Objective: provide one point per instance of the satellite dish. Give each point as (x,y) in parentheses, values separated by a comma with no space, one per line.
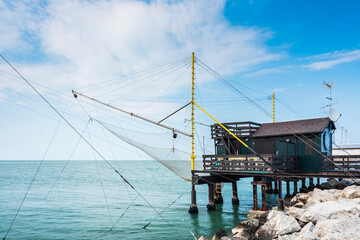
(333,115)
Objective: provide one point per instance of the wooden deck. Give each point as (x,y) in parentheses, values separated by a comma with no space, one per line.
(229,168)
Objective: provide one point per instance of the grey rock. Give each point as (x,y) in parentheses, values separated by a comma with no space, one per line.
(219,234)
(278,224)
(351,192)
(342,229)
(246,229)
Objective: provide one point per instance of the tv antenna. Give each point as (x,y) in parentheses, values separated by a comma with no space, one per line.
(330,86)
(333,115)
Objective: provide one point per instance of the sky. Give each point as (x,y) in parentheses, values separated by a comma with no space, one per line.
(260,47)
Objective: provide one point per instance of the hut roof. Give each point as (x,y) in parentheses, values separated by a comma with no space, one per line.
(316,125)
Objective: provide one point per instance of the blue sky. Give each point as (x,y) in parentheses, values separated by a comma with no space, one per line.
(286,47)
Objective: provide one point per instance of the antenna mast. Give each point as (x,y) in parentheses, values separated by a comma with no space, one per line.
(328,85)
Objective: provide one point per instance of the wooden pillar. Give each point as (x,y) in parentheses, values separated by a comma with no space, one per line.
(235,199)
(255,199)
(311,184)
(271,190)
(193,206)
(287,196)
(295,188)
(211,206)
(280,200)
(303,186)
(318,183)
(263,198)
(276,189)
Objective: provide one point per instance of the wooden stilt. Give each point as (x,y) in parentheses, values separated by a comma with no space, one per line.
(235,199)
(263,198)
(303,186)
(276,189)
(295,188)
(255,199)
(311,184)
(193,206)
(280,200)
(211,206)
(318,183)
(287,196)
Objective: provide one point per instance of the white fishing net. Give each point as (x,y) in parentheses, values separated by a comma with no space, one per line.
(173,153)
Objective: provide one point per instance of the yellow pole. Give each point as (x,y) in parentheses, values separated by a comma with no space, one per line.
(222,125)
(192,113)
(273,100)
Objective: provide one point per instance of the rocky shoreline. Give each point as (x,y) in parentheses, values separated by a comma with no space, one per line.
(330,211)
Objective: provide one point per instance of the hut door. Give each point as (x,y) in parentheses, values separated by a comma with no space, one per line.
(284,147)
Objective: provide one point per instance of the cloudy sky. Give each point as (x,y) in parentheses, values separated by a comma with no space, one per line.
(286,47)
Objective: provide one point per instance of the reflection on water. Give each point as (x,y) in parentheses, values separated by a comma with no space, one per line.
(76,207)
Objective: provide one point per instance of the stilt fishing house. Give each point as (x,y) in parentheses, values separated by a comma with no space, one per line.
(294,146)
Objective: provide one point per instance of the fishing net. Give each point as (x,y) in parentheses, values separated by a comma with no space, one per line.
(173,153)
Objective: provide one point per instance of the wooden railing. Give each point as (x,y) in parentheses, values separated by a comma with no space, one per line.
(250,163)
(285,163)
(341,163)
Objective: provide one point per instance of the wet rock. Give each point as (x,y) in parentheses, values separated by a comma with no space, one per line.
(259,215)
(330,210)
(342,229)
(246,229)
(295,212)
(323,196)
(351,192)
(219,234)
(278,224)
(298,205)
(203,238)
(232,238)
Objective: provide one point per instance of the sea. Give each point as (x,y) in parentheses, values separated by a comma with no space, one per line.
(89,200)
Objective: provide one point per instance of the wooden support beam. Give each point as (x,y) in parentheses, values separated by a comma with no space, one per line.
(193,206)
(255,199)
(211,206)
(235,198)
(280,200)
(276,189)
(263,198)
(288,195)
(303,188)
(295,188)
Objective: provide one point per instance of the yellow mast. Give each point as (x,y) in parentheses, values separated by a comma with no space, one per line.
(192,113)
(273,100)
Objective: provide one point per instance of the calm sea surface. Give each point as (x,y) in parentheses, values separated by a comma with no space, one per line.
(77,209)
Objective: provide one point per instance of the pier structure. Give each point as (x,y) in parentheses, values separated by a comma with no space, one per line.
(274,155)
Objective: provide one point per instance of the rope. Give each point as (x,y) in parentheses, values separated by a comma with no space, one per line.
(67,161)
(70,125)
(36,173)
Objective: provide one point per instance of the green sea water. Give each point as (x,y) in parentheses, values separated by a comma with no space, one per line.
(87,200)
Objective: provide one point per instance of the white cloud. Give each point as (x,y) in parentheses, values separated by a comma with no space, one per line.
(333,59)
(265,71)
(89,41)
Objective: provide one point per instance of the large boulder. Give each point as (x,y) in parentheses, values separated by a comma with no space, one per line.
(295,212)
(351,192)
(318,196)
(342,208)
(342,229)
(246,229)
(278,224)
(219,234)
